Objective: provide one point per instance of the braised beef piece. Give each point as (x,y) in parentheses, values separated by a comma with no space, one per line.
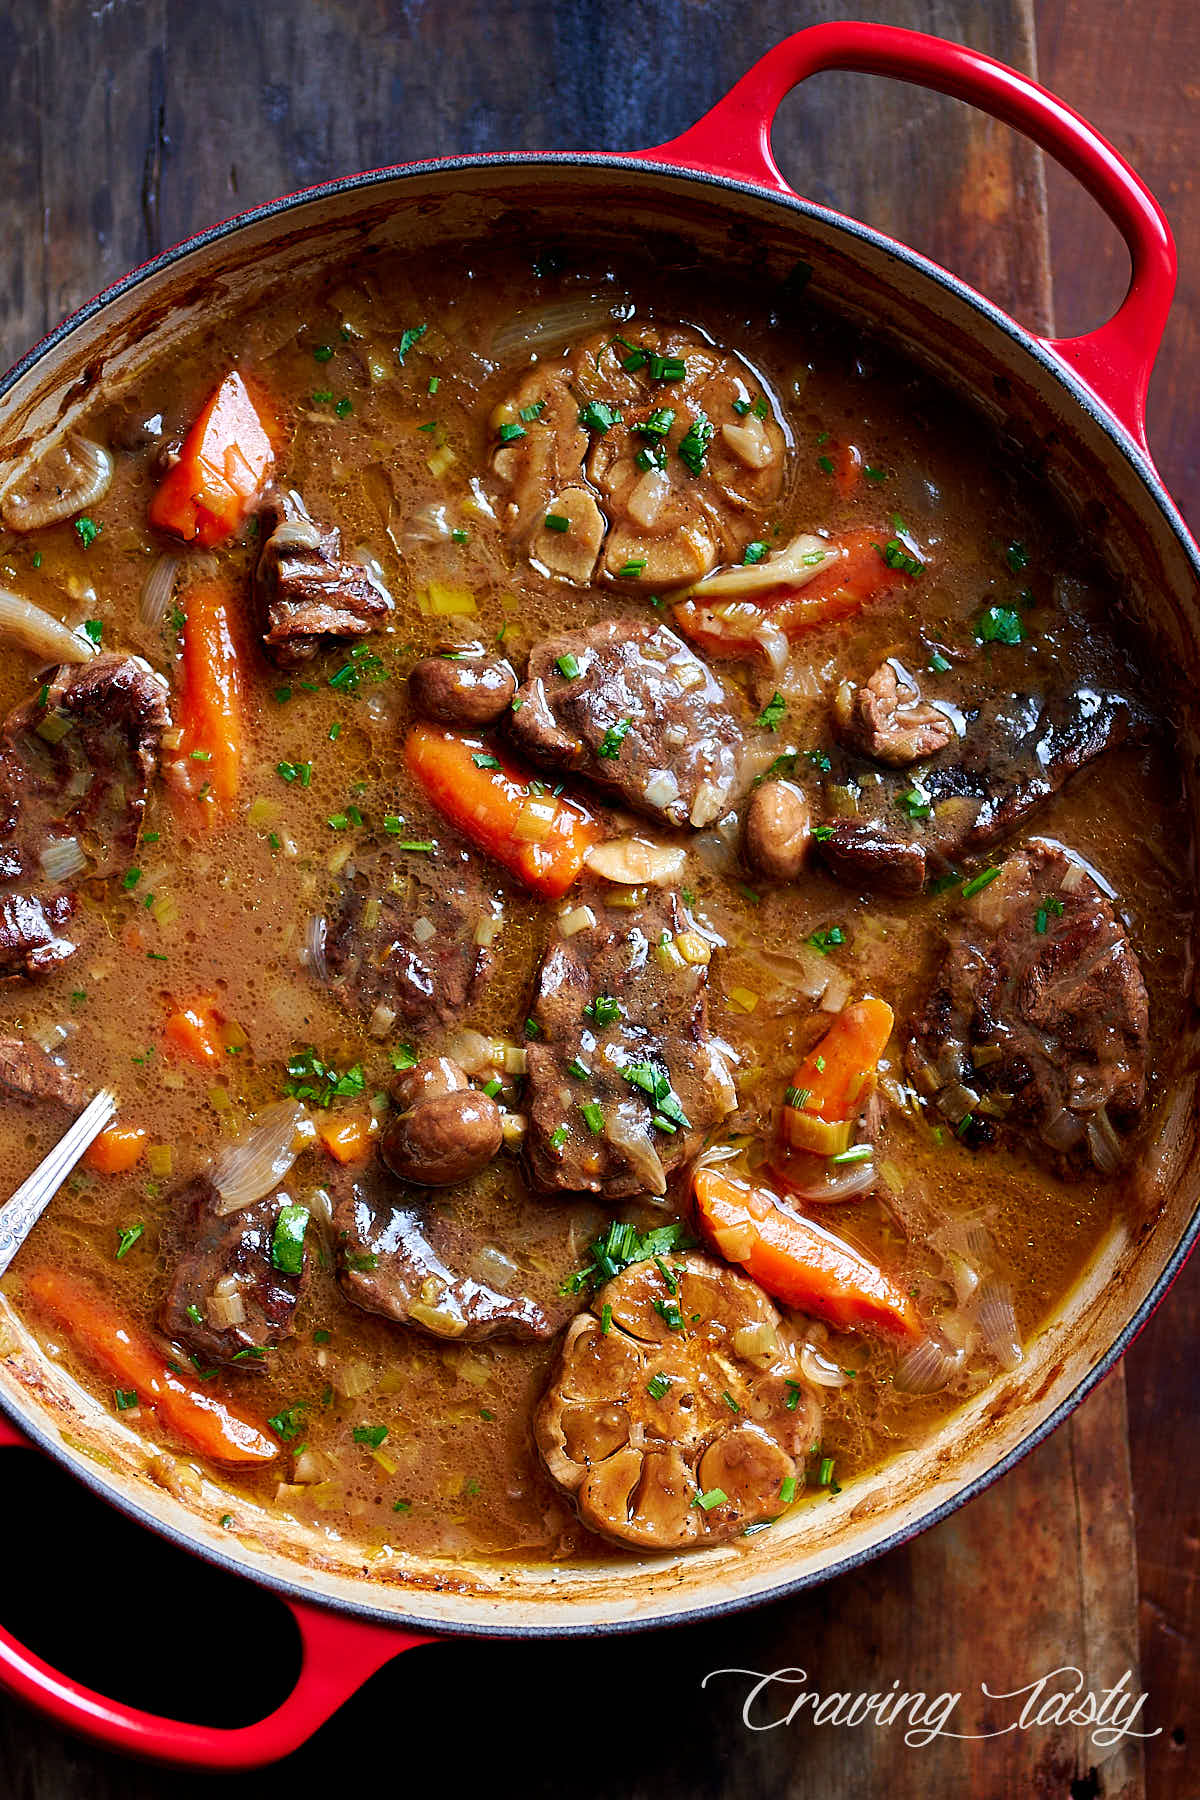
(1037,1017)
(75,762)
(1015,752)
(32,1073)
(887,720)
(308,598)
(405,1259)
(402,936)
(223,1257)
(623,1080)
(630,706)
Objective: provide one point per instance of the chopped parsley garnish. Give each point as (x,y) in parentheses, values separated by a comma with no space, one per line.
(125,1398)
(754,552)
(1017,558)
(714,1497)
(482,760)
(532,1028)
(593,1116)
(650,459)
(819,760)
(568,666)
(94,629)
(322,352)
(597,416)
(604,1010)
(693,446)
(916,802)
(667,368)
(460,537)
(823,833)
(656,1085)
(658,424)
(508,434)
(629,571)
(287,1241)
(309,1078)
(610,744)
(787,1489)
(403,1056)
(557,522)
(999,625)
(579,1070)
(130,879)
(620,1246)
(344,407)
(825,464)
(977,883)
(825,941)
(287,1423)
(855,1154)
(408,338)
(670,1314)
(939,663)
(1045,910)
(875,475)
(87,531)
(127,1237)
(371,1435)
(301,772)
(528,414)
(558,1137)
(796,1096)
(896,556)
(657,1386)
(793,1395)
(772,713)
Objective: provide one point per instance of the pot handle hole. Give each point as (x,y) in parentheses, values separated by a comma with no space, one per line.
(338,1654)
(734,139)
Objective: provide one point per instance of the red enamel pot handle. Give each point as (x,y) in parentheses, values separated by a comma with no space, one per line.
(338,1656)
(735,139)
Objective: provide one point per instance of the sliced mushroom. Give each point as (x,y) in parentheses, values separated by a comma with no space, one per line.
(72,474)
(803,558)
(637,862)
(659,1423)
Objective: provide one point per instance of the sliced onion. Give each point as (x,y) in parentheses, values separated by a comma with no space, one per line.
(819,1370)
(470,1050)
(827,1181)
(803,558)
(66,477)
(927,1367)
(634,861)
(423,929)
(662,789)
(774,646)
(964,1277)
(538,328)
(254,1165)
(493,1268)
(956,1101)
(30,628)
(226,1310)
(629,1137)
(61,859)
(1064,1130)
(313,955)
(998,1323)
(1104,1143)
(838,990)
(758,1343)
(157,589)
(381,1020)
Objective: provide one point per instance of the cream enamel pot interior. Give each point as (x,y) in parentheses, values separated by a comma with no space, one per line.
(1080,403)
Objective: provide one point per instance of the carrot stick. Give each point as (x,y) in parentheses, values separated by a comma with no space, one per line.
(834,1081)
(208,763)
(800,1263)
(221,468)
(131,1358)
(847,469)
(853,580)
(495,809)
(117,1149)
(194,1031)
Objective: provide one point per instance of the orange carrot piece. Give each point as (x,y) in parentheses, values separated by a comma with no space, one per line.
(346,1136)
(802,1264)
(839,1071)
(194,1031)
(857,577)
(221,469)
(490,805)
(117,1149)
(847,469)
(201,1418)
(208,762)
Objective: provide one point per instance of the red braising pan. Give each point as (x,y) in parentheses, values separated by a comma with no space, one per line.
(1081,402)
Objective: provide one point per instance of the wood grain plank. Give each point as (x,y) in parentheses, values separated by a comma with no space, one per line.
(149,119)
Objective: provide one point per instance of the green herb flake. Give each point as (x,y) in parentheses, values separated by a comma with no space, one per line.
(322,352)
(657,1386)
(87,531)
(825,941)
(713,1497)
(977,883)
(568,666)
(773,713)
(557,522)
(754,553)
(408,338)
(370,1435)
(999,625)
(614,737)
(897,556)
(693,446)
(287,1241)
(127,1237)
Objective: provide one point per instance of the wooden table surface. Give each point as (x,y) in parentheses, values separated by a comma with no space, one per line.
(132,122)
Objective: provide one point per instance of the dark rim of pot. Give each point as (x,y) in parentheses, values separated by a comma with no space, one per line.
(1121,441)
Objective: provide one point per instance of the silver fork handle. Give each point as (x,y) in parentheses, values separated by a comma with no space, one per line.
(19,1215)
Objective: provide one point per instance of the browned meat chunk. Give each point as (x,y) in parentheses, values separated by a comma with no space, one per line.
(660,1405)
(227,1297)
(886,718)
(401,938)
(405,1261)
(641,462)
(869,856)
(623,1079)
(462,688)
(31,1072)
(629,706)
(1037,1016)
(308,598)
(1016,751)
(76,765)
(446,1130)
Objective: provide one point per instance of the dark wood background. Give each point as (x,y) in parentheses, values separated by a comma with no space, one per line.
(129,123)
